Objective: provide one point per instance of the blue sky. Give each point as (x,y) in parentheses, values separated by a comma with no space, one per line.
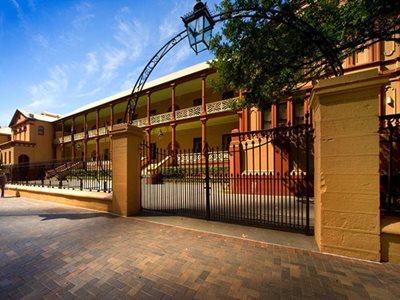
(57,55)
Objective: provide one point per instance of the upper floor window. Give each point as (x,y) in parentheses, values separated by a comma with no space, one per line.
(298,112)
(40,130)
(282,114)
(170,108)
(267,118)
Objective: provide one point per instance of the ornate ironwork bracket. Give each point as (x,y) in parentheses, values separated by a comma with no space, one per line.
(140,82)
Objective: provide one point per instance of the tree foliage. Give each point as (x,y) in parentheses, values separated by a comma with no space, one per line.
(269,48)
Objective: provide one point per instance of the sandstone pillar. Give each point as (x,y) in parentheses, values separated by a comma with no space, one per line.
(126,140)
(346,149)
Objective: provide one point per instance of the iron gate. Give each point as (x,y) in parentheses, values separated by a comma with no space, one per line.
(389,131)
(263,179)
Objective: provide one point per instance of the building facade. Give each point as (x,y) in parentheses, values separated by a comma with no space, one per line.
(178,111)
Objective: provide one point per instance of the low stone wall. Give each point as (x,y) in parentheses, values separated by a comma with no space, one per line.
(90,200)
(390,239)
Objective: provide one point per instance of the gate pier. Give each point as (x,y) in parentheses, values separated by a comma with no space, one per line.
(126,141)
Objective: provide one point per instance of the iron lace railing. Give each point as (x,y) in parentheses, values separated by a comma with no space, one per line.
(63,174)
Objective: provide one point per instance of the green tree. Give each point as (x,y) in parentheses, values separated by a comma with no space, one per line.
(269,48)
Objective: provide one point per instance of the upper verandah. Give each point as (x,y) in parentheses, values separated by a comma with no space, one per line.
(155,84)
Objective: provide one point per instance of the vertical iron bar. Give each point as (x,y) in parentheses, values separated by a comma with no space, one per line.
(307,129)
(207,178)
(390,167)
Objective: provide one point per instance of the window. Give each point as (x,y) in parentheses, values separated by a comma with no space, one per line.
(40,130)
(176,108)
(298,112)
(153,112)
(282,114)
(266,118)
(226,140)
(197,145)
(197,102)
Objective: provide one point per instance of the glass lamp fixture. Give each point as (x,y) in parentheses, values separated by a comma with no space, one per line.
(199,25)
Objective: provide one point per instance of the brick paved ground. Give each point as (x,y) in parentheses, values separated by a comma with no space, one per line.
(54,251)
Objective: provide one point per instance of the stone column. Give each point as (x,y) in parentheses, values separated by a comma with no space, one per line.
(85,138)
(111,126)
(126,141)
(346,149)
(73,151)
(97,135)
(62,140)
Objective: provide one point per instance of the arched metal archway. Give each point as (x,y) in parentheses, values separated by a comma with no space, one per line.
(201,12)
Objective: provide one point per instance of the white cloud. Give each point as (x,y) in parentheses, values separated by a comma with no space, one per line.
(172,25)
(47,94)
(18,8)
(131,78)
(92,65)
(132,38)
(89,93)
(113,59)
(84,15)
(41,41)
(180,53)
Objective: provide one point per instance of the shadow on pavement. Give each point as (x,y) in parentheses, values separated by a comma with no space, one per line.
(75,216)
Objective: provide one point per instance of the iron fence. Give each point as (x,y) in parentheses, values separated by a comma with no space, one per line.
(265,180)
(63,174)
(389,131)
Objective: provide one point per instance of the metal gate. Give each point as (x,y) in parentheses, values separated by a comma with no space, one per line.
(263,179)
(389,132)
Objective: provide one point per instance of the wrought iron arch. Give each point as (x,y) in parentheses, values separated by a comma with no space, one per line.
(324,45)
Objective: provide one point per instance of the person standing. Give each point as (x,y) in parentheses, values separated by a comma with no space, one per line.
(3,181)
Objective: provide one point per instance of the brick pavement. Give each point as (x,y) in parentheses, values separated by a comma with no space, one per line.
(53,251)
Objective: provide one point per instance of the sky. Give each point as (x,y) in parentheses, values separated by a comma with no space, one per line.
(57,55)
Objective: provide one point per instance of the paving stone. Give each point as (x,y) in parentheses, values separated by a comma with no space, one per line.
(53,251)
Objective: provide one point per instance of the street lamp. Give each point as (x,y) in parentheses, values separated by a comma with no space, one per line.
(199,25)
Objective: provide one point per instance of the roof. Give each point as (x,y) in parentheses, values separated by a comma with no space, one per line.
(46,117)
(41,117)
(170,77)
(5,130)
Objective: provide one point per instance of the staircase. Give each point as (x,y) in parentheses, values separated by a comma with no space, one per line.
(62,171)
(154,168)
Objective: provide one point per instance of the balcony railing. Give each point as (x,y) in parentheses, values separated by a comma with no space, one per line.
(188,113)
(140,122)
(182,114)
(219,106)
(184,158)
(159,119)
